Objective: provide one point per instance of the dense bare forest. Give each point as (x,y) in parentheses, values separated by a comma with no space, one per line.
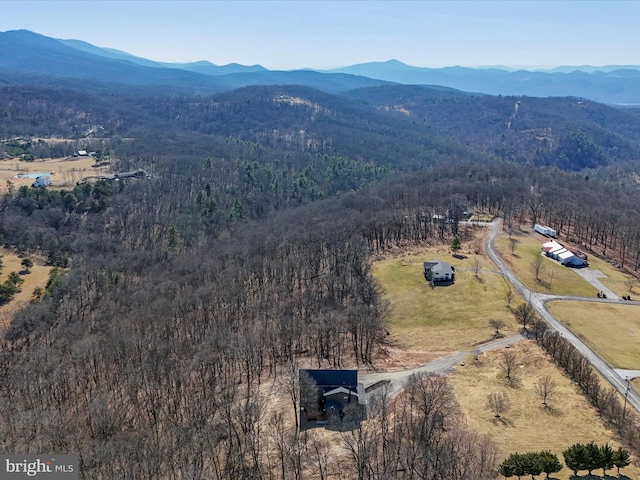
(244,255)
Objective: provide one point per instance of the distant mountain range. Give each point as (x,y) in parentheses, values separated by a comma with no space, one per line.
(204,67)
(612,85)
(24,52)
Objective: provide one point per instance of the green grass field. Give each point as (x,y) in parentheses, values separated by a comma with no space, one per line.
(613,331)
(620,282)
(553,278)
(444,318)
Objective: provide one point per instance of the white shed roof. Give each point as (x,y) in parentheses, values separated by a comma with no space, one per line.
(550,244)
(565,255)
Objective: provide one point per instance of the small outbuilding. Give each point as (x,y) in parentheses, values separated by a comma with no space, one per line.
(556,253)
(566,256)
(570,259)
(552,252)
(42,181)
(549,246)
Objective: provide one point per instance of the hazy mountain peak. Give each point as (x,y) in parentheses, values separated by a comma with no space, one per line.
(24,51)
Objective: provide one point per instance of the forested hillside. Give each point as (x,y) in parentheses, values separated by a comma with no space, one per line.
(248,253)
(566,132)
(402,127)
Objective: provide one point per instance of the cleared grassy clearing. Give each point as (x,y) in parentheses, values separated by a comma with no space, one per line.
(554,278)
(38,276)
(613,331)
(455,317)
(444,318)
(66,171)
(528,426)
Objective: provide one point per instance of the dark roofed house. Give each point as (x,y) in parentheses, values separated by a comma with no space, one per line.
(438,271)
(330,397)
(133,174)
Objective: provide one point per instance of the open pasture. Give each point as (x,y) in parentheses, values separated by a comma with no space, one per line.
(445,318)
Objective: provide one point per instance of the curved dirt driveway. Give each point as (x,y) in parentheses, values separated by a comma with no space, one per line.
(441,366)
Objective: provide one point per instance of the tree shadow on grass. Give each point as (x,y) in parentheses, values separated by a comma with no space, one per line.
(515,382)
(553,411)
(503,421)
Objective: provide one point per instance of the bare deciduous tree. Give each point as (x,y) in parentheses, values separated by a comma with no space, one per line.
(551,275)
(539,327)
(498,403)
(497,325)
(630,282)
(545,388)
(476,267)
(290,382)
(308,394)
(476,354)
(509,365)
(537,267)
(319,449)
(525,314)
(508,295)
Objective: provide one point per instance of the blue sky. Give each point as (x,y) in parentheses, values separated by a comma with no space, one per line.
(326,34)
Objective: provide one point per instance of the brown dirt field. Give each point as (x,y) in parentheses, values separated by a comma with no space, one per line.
(65,171)
(528,426)
(38,276)
(396,358)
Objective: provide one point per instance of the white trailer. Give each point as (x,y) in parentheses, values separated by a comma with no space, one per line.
(544,230)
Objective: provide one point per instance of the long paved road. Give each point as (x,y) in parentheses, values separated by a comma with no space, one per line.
(538,301)
(443,366)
